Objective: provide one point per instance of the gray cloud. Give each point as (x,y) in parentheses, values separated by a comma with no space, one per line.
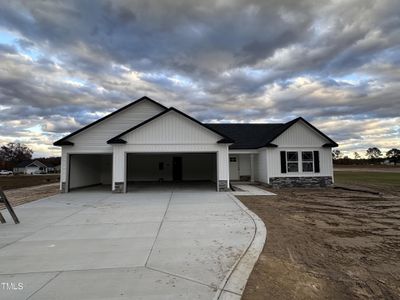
(72,61)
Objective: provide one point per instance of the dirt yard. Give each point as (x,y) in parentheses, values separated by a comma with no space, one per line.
(28,194)
(330,243)
(19,181)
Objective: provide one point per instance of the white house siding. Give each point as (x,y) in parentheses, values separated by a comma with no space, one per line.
(256,168)
(95,138)
(300,135)
(171,133)
(244,165)
(172,128)
(64,164)
(274,162)
(261,171)
(31,170)
(19,170)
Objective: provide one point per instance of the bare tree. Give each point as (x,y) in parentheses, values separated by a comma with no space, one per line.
(357,156)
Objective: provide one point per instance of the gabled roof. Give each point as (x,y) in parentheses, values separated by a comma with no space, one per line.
(118,139)
(64,141)
(254,136)
(247,136)
(23,164)
(287,125)
(27,163)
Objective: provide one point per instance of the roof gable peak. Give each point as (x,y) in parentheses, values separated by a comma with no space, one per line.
(118,139)
(64,141)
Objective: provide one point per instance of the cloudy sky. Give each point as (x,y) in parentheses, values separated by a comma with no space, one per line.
(64,64)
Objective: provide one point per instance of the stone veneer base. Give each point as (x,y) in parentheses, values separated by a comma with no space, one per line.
(313,181)
(63,187)
(223,186)
(119,187)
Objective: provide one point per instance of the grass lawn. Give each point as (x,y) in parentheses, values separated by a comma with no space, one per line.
(377,180)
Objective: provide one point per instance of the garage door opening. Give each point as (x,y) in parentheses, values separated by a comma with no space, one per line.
(87,170)
(178,168)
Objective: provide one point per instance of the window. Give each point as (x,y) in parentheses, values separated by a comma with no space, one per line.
(307,161)
(232,159)
(160,166)
(292,162)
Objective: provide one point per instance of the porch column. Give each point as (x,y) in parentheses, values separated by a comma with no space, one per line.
(252,167)
(119,169)
(64,171)
(223,169)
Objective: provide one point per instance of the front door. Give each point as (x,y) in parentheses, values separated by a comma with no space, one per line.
(177,168)
(233,167)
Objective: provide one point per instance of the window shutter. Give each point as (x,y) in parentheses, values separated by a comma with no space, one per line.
(316,161)
(283,161)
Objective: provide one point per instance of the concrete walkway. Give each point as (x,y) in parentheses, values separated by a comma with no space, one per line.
(169,244)
(250,190)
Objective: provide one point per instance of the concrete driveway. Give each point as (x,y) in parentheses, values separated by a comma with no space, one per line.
(168,244)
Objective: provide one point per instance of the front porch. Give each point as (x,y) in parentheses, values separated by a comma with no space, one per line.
(242,166)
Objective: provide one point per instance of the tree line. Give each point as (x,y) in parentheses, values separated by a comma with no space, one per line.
(374,156)
(12,154)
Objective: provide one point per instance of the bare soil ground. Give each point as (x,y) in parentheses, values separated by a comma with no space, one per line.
(329,243)
(19,181)
(28,194)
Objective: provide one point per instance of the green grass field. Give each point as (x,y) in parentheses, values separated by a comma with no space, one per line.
(384,179)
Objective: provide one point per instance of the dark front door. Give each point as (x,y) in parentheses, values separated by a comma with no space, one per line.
(177,168)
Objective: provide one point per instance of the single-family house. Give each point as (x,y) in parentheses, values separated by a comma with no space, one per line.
(146,141)
(30,167)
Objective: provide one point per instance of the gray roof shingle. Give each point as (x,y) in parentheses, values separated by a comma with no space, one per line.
(248,136)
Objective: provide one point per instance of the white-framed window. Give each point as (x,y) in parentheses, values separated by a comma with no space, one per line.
(292,161)
(307,160)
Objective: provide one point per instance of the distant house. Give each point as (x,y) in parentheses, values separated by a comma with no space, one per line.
(57,169)
(31,167)
(388,162)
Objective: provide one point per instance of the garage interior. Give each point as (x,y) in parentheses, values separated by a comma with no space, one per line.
(87,170)
(177,168)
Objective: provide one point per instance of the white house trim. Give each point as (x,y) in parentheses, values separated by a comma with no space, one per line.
(171,141)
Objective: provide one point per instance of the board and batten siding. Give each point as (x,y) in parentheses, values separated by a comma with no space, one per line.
(172,128)
(95,138)
(244,165)
(274,162)
(170,133)
(299,137)
(262,167)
